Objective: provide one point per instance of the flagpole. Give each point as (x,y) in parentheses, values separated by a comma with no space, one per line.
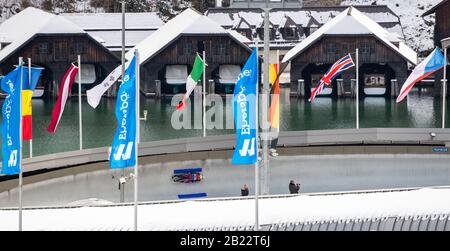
(279,94)
(204,93)
(265,104)
(357,88)
(122,186)
(29,79)
(257,145)
(138,129)
(444,88)
(80,109)
(21,146)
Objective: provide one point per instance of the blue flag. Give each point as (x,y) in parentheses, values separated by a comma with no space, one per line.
(123,146)
(35,76)
(245,113)
(11,115)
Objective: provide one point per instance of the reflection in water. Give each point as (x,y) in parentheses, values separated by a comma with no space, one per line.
(420,111)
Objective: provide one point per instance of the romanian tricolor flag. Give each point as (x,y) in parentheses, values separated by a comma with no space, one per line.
(27,115)
(274,116)
(29,85)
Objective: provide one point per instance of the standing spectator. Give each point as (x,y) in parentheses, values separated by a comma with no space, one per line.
(244,190)
(294,188)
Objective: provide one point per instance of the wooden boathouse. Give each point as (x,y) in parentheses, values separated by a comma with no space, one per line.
(53,42)
(384,58)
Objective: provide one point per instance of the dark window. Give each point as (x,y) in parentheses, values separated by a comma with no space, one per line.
(345,48)
(222,49)
(78,48)
(200,47)
(60,51)
(290,33)
(365,48)
(331,49)
(187,49)
(43,48)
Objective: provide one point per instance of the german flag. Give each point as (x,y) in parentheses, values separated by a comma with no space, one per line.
(274,116)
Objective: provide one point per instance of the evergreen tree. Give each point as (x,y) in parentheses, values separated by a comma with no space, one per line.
(200,5)
(168,9)
(25,4)
(68,6)
(107,5)
(47,5)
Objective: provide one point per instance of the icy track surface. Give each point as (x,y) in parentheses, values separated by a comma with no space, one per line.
(316,174)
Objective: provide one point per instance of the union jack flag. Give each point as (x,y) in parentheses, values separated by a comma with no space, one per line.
(340,66)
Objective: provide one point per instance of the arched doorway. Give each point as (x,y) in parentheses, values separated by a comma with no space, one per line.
(225,77)
(45,86)
(375,79)
(173,78)
(312,75)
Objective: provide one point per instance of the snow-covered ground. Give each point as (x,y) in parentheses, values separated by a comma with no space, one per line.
(418,31)
(235,213)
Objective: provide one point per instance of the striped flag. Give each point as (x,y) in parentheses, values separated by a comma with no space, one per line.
(192,80)
(434,62)
(64,91)
(340,66)
(274,116)
(29,85)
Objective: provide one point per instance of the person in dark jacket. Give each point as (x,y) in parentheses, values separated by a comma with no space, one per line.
(244,190)
(294,188)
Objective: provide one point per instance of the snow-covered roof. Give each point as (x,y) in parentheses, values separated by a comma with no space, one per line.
(189,22)
(113,39)
(360,25)
(238,36)
(236,212)
(106,27)
(226,16)
(30,22)
(224,19)
(113,21)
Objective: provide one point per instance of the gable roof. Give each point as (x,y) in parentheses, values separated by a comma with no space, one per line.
(241,23)
(189,22)
(106,27)
(433,10)
(360,25)
(379,13)
(25,25)
(113,21)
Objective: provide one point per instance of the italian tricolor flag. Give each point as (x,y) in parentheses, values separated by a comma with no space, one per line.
(192,80)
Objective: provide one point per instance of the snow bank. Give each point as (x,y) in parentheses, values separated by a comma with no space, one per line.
(210,214)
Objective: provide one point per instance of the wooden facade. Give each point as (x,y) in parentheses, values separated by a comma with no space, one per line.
(56,52)
(442,26)
(374,58)
(220,50)
(441,31)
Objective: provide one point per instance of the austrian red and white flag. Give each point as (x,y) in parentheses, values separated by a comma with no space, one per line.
(64,91)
